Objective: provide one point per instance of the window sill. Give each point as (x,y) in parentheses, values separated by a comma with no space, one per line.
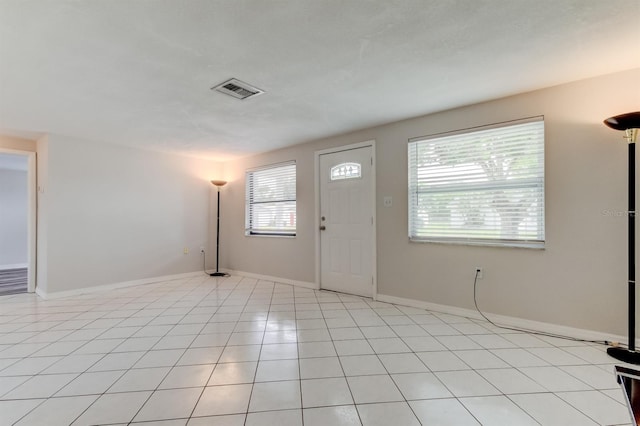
(534,245)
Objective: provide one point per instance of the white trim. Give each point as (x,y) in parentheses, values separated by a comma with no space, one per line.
(31,214)
(14,266)
(296,283)
(113,286)
(374,245)
(508,321)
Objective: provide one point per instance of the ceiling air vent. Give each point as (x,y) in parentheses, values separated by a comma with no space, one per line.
(238,89)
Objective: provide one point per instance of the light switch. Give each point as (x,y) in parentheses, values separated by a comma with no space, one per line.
(388,201)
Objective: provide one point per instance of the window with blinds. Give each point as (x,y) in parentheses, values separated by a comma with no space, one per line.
(482,186)
(271,200)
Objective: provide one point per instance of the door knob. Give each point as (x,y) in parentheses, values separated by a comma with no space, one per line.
(322,228)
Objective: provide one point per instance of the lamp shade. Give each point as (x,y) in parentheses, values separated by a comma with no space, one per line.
(630,120)
(219,183)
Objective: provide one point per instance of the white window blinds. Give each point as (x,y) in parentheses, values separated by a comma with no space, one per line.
(484,186)
(271,200)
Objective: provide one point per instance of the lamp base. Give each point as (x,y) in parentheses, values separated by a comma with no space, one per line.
(624,355)
(219,274)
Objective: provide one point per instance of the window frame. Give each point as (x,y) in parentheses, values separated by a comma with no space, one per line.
(250,174)
(466,235)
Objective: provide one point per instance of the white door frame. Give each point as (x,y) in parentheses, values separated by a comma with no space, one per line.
(31,212)
(316,224)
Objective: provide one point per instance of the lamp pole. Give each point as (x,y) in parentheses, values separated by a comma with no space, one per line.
(629,123)
(217,273)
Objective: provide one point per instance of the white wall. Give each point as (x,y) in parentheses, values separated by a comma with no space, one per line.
(111,214)
(13,217)
(579,280)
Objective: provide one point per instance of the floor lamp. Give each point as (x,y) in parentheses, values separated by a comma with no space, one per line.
(217,273)
(629,123)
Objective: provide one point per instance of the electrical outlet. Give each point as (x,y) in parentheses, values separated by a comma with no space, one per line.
(388,201)
(479,272)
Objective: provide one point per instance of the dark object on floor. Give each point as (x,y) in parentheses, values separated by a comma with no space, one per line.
(629,380)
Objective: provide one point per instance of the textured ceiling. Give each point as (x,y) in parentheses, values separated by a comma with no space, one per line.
(138,72)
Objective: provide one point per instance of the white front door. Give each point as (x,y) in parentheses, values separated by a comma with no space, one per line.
(346,221)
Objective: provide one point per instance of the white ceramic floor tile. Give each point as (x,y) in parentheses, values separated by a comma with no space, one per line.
(554,379)
(11,382)
(280,418)
(12,411)
(556,356)
(353,347)
(113,408)
(361,365)
(497,410)
(316,368)
(442,412)
(218,400)
(42,386)
(57,411)
(597,406)
(275,396)
(29,366)
(420,386)
(277,370)
(510,381)
(233,373)
(392,345)
(424,344)
(279,351)
(226,344)
(466,383)
(403,363)
(325,392)
(378,332)
(316,349)
(169,404)
(345,415)
(457,343)
(229,420)
(194,356)
(442,361)
(90,383)
(160,358)
(390,413)
(367,389)
(187,376)
(73,364)
(519,358)
(548,409)
(480,359)
(284,336)
(592,375)
(240,353)
(117,361)
(140,379)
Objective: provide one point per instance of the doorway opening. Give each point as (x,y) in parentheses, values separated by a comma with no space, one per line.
(17,222)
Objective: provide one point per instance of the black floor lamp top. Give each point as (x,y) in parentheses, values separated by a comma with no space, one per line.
(629,123)
(217,273)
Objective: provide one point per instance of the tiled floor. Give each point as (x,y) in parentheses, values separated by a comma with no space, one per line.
(236,351)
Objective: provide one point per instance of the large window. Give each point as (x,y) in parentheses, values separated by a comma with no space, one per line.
(271,200)
(480,186)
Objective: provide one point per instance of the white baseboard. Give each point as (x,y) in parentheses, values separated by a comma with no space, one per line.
(113,286)
(296,283)
(508,321)
(14,266)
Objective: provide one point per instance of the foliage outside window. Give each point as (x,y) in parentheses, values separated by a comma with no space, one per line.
(271,200)
(481,186)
